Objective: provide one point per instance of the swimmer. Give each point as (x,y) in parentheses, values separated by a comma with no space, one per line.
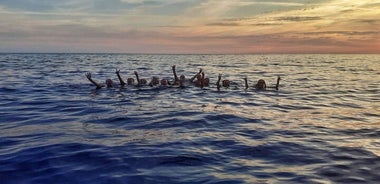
(196,75)
(155,81)
(176,79)
(202,80)
(164,82)
(122,83)
(130,81)
(198,82)
(182,78)
(140,82)
(143,81)
(109,82)
(225,83)
(261,85)
(205,81)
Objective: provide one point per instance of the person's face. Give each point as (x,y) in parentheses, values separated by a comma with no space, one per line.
(164,82)
(182,77)
(206,81)
(143,81)
(130,81)
(155,81)
(199,77)
(261,84)
(109,83)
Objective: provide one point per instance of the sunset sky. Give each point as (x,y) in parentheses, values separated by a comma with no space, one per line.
(190,26)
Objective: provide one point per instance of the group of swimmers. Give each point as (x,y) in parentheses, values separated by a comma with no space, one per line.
(198,80)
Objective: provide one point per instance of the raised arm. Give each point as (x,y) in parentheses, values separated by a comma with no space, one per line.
(203,80)
(277,83)
(218,82)
(119,77)
(175,74)
(246,82)
(192,79)
(98,86)
(137,78)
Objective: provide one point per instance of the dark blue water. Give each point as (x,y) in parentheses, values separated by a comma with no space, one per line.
(322,126)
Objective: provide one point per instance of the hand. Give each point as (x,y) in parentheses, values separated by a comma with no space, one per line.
(117,71)
(88,75)
(200,70)
(135,72)
(173,66)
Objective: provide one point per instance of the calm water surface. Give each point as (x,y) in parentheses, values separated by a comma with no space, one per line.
(322,126)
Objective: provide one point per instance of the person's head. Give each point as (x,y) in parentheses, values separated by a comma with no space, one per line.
(143,81)
(206,81)
(261,84)
(155,81)
(109,83)
(164,82)
(130,81)
(199,77)
(182,78)
(226,83)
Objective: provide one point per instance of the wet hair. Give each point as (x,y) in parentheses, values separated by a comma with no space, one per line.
(130,81)
(199,77)
(182,78)
(261,84)
(226,83)
(206,81)
(109,83)
(155,81)
(143,81)
(164,82)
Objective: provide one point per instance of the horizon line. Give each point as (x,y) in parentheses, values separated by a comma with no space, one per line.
(160,53)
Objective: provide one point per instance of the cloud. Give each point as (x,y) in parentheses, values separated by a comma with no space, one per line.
(190,26)
(223,24)
(101,6)
(31,5)
(298,18)
(349,33)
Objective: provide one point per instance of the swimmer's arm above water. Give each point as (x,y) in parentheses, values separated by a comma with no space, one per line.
(137,78)
(246,82)
(277,83)
(175,74)
(98,86)
(192,79)
(218,82)
(119,77)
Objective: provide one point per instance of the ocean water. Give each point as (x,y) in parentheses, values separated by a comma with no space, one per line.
(321,126)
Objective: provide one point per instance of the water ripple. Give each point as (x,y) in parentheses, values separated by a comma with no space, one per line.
(320,127)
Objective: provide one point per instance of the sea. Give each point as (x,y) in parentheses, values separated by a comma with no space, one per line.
(321,126)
